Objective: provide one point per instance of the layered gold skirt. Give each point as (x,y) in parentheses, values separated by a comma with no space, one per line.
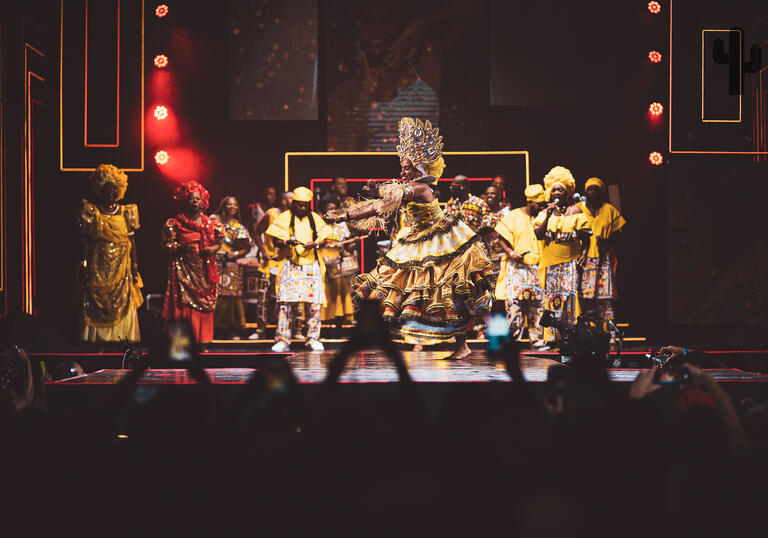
(431,282)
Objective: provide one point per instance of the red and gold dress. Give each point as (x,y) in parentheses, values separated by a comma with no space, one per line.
(193,279)
(435,277)
(110,297)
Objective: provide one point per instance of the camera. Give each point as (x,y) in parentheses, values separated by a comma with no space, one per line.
(584,338)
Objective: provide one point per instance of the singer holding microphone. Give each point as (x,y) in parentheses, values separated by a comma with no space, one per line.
(518,282)
(565,230)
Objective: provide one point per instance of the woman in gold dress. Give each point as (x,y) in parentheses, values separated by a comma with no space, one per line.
(109,271)
(437,274)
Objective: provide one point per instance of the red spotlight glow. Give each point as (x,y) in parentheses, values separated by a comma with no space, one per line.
(656,158)
(162,10)
(186,163)
(656,109)
(161,61)
(162,157)
(654,7)
(161,112)
(654,56)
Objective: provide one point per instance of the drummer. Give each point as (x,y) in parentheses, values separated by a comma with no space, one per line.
(338,259)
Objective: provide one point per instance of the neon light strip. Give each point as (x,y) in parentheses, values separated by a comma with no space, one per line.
(669,142)
(28,238)
(741,68)
(61,100)
(117,87)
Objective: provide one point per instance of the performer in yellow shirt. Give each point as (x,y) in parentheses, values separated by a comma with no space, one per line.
(518,282)
(598,287)
(301,274)
(565,231)
(270,261)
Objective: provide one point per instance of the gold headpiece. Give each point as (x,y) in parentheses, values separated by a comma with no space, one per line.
(422,144)
(107,173)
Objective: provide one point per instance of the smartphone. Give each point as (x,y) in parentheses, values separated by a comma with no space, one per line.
(181,341)
(498,332)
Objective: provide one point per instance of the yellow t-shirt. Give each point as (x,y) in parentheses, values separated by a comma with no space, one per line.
(302,232)
(518,230)
(562,243)
(604,224)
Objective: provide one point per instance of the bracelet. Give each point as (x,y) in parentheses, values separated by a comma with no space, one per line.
(685,351)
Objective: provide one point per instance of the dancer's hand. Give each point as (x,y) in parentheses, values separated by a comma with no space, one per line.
(516,257)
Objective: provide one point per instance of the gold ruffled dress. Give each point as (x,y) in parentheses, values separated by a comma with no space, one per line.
(435,274)
(109,297)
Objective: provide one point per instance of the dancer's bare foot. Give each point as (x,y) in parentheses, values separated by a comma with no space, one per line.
(462,351)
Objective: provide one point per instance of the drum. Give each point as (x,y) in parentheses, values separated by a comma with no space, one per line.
(347,267)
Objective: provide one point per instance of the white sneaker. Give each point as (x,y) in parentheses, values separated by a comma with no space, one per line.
(254,336)
(315,345)
(281,347)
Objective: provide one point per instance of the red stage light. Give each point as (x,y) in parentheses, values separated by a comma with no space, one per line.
(161,112)
(161,157)
(656,158)
(161,60)
(654,7)
(654,56)
(656,109)
(161,10)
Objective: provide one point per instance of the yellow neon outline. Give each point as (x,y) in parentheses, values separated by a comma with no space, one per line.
(61,99)
(741,68)
(362,153)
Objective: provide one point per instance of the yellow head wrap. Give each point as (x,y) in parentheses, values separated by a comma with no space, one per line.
(534,193)
(302,194)
(594,182)
(559,175)
(107,173)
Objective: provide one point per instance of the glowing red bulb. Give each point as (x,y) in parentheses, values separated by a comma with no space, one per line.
(654,56)
(161,61)
(162,10)
(656,109)
(161,157)
(656,158)
(161,112)
(654,7)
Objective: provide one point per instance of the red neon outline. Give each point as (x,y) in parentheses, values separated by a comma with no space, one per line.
(117,87)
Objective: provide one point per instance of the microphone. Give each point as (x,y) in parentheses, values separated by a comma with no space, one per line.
(578,197)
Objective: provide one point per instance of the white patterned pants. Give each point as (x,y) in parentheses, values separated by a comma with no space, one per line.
(284,315)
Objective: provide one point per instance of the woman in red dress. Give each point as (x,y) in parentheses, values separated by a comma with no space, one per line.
(191,240)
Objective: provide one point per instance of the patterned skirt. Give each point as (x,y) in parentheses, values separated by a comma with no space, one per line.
(431,285)
(597,279)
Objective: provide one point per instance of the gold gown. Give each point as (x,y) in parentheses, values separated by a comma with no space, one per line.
(109,297)
(434,275)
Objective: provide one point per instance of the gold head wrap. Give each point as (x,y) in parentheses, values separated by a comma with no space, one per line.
(107,173)
(534,193)
(559,175)
(594,182)
(422,144)
(302,194)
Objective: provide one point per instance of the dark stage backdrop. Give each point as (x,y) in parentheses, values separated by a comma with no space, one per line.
(578,97)
(273,60)
(718,249)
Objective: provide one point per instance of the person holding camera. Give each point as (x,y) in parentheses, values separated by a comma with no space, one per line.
(565,230)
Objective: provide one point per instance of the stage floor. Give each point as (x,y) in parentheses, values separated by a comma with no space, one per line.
(374,367)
